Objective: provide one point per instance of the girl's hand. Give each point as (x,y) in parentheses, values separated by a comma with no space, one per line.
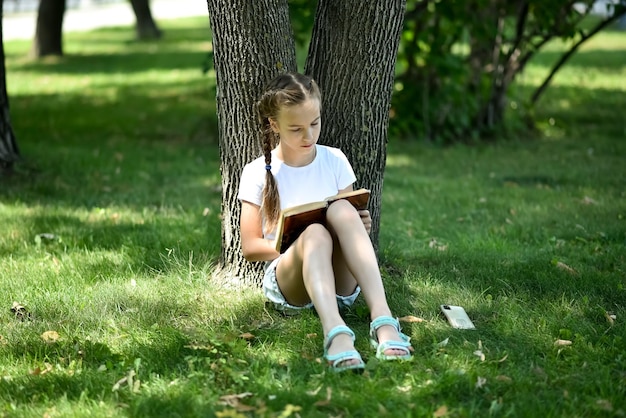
(366,219)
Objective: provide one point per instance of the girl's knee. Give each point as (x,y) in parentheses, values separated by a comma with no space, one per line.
(317,235)
(341,212)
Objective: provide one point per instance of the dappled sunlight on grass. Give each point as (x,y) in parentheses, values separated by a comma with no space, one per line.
(111,234)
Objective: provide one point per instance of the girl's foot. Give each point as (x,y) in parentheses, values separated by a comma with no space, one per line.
(340,344)
(390,343)
(387,333)
(342,356)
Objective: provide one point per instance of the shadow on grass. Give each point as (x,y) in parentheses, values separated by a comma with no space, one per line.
(126,63)
(99,50)
(187,373)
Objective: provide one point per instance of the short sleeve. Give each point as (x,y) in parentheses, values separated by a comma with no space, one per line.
(343,169)
(251,184)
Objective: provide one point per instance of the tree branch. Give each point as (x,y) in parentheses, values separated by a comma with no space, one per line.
(565,57)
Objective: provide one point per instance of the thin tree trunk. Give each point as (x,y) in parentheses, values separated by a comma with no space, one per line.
(252,43)
(49,29)
(9,153)
(352,56)
(146,27)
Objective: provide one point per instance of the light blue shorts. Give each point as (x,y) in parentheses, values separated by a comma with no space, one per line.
(273,294)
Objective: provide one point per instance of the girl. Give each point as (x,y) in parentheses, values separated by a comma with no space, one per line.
(328,265)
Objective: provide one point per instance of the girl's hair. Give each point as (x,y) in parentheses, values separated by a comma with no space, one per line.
(287,89)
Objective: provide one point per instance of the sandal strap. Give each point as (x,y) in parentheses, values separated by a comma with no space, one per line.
(381,321)
(338,358)
(403,345)
(339,329)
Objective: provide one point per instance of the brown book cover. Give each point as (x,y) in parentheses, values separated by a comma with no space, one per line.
(295,219)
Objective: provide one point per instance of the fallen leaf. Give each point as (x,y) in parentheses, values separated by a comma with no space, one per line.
(566,268)
(562,343)
(48,368)
(311,335)
(290,410)
(443,343)
(50,337)
(46,238)
(442,411)
(480,382)
(411,318)
(326,401)
(605,405)
(503,378)
(129,380)
(119,384)
(436,245)
(480,355)
(611,317)
(314,391)
(20,311)
(588,201)
(247,336)
(233,399)
(229,413)
(539,372)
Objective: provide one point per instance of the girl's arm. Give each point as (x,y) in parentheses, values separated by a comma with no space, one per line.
(253,246)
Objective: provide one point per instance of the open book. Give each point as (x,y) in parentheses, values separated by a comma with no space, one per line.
(295,219)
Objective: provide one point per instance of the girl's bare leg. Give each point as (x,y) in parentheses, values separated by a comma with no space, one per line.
(305,274)
(360,260)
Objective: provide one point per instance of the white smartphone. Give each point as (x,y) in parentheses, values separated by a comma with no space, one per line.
(457,317)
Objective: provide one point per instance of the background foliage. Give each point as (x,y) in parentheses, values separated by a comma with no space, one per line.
(459,61)
(111,227)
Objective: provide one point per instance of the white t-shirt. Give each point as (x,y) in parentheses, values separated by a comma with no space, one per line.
(328,173)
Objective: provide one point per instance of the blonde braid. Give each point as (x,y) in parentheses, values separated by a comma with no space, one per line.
(287,89)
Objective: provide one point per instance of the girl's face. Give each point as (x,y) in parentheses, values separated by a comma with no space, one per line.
(299,129)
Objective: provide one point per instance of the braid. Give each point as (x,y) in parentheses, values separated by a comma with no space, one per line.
(287,89)
(270,205)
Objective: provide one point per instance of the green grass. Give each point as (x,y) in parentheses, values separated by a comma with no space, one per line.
(122,167)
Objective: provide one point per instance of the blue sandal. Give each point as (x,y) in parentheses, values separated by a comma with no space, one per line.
(336,359)
(403,345)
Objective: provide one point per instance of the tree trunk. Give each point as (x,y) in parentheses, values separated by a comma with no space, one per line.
(252,43)
(352,56)
(49,30)
(146,26)
(9,153)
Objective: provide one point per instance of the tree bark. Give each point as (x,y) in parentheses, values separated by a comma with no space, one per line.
(146,27)
(49,29)
(252,43)
(352,56)
(9,153)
